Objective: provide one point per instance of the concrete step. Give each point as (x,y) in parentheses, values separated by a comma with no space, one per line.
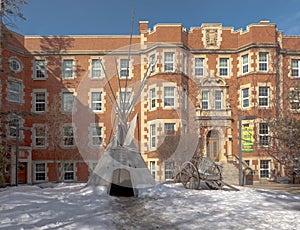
(230,174)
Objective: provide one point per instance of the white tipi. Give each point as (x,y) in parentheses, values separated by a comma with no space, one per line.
(122,168)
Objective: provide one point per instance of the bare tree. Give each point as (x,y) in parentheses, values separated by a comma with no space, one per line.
(57,136)
(10,11)
(284,142)
(3,161)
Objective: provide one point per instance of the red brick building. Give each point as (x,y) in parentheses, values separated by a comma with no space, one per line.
(216,74)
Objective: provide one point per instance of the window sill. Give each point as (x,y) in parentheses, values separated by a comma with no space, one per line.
(39,79)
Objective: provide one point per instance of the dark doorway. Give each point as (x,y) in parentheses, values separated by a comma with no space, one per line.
(121,184)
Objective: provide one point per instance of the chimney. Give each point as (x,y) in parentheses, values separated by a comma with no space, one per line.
(143,27)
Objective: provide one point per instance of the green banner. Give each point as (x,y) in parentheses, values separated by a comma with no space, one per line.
(248,139)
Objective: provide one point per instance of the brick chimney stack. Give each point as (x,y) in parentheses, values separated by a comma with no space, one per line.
(143,27)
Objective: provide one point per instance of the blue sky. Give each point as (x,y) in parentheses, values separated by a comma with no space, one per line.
(113,17)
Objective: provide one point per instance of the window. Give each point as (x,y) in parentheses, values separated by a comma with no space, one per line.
(245,98)
(184,129)
(152,63)
(184,63)
(39,136)
(96,68)
(169,166)
(68,69)
(68,136)
(295,99)
(169,96)
(265,168)
(15,65)
(68,171)
(247,162)
(124,68)
(96,136)
(40,101)
(96,101)
(169,62)
(245,63)
(199,67)
(14,91)
(224,66)
(152,98)
(263,134)
(125,100)
(68,99)
(169,128)
(12,127)
(184,99)
(295,68)
(40,172)
(40,69)
(263,61)
(152,168)
(263,96)
(218,99)
(152,136)
(205,100)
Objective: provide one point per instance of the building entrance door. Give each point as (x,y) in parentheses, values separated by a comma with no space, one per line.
(212,145)
(22,173)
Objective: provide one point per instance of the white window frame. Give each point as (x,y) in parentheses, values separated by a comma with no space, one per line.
(265,172)
(263,98)
(152,136)
(97,103)
(40,69)
(96,135)
(245,99)
(12,127)
(169,174)
(15,92)
(263,64)
(184,63)
(170,98)
(199,67)
(169,128)
(96,69)
(264,137)
(15,64)
(295,67)
(184,98)
(224,69)
(126,104)
(124,68)
(39,104)
(37,136)
(152,168)
(66,136)
(67,103)
(40,172)
(245,64)
(68,71)
(69,171)
(152,63)
(295,99)
(219,101)
(169,60)
(205,101)
(152,93)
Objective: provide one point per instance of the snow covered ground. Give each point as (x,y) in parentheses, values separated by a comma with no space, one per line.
(169,206)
